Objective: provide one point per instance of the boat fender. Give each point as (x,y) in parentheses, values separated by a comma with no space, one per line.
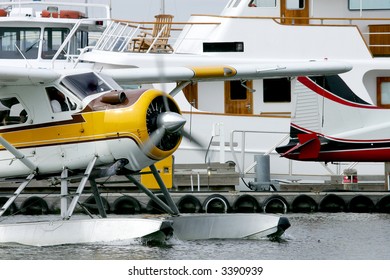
(126,205)
(216,203)
(275,204)
(189,204)
(34,206)
(245,204)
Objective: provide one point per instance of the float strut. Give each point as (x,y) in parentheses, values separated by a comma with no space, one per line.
(64,192)
(16,194)
(151,195)
(80,188)
(98,199)
(164,190)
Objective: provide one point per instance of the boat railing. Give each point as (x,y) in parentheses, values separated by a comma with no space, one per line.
(117,36)
(374,31)
(21,5)
(123,36)
(240,151)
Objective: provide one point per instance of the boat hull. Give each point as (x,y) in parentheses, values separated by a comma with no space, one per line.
(228,226)
(60,232)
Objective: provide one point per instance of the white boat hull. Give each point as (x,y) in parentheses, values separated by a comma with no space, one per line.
(228,226)
(49,233)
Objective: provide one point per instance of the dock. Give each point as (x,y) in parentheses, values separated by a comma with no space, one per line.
(208,189)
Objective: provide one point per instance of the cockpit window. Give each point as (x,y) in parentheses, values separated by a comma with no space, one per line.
(85,84)
(58,101)
(12,112)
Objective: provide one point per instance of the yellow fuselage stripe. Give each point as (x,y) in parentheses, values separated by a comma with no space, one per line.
(127,122)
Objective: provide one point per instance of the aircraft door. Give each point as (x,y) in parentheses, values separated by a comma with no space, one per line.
(239,97)
(294,11)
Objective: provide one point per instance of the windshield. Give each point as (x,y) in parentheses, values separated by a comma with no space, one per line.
(85,84)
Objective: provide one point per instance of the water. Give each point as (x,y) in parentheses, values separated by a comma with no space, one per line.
(318,236)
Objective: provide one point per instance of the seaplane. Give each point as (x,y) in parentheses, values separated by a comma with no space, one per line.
(80,125)
(335,125)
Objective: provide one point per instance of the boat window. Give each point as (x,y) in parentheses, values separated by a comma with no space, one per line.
(12,111)
(82,41)
(262,3)
(85,84)
(277,90)
(383,92)
(295,4)
(58,101)
(237,90)
(369,5)
(19,43)
(52,40)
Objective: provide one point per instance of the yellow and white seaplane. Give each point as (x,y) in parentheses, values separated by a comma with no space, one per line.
(79,124)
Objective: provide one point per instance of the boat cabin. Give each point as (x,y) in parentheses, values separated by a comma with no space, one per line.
(42,31)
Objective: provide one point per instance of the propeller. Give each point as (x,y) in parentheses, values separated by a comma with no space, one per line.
(167,133)
(165,125)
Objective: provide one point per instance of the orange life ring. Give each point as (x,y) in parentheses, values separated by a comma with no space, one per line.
(71,14)
(3,13)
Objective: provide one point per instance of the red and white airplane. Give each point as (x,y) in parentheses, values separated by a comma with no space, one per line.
(330,123)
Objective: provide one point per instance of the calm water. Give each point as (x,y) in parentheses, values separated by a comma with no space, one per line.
(319,236)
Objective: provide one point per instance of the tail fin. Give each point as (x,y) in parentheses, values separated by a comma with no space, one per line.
(325,110)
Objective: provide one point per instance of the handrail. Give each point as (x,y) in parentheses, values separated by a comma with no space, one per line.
(243,145)
(129,29)
(307,18)
(39,3)
(156,38)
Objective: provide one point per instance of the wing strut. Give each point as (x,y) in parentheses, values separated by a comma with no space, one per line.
(16,194)
(30,165)
(179,87)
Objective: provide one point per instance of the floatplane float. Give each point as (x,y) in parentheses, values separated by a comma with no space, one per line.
(240,119)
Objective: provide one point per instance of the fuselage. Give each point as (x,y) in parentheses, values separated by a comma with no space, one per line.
(107,122)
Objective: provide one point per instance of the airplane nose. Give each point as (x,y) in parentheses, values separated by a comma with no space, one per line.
(171,121)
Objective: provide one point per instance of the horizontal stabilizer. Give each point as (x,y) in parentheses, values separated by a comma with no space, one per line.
(307,148)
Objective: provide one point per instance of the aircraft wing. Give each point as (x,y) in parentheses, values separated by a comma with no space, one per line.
(26,76)
(226,72)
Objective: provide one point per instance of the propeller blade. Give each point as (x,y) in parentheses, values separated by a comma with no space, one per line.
(191,138)
(154,139)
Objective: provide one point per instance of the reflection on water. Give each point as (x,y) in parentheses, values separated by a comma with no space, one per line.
(320,236)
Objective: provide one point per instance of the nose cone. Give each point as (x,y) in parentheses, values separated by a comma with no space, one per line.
(170,121)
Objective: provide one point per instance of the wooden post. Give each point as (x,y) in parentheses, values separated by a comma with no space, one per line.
(387,174)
